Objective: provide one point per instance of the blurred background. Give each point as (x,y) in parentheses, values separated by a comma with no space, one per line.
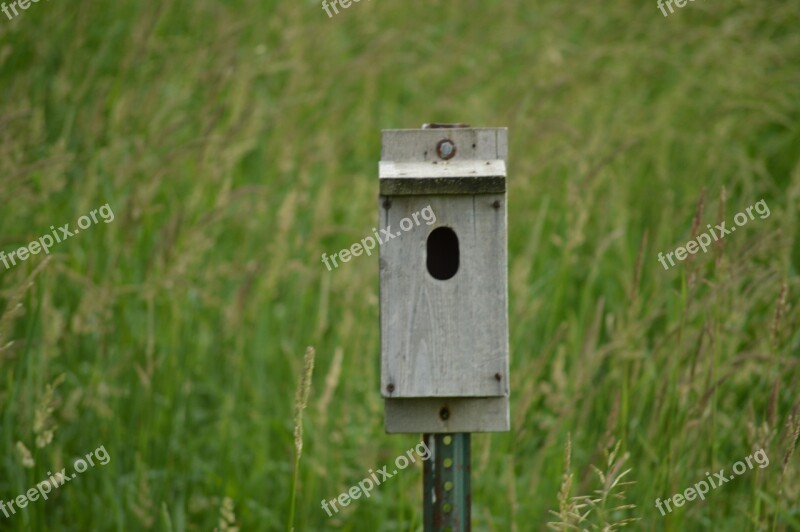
(236,142)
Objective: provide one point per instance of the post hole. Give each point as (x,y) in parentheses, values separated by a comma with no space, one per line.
(442,252)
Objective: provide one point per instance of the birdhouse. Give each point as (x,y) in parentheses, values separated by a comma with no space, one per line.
(443,280)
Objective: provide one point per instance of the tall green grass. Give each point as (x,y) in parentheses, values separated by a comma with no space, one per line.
(236,142)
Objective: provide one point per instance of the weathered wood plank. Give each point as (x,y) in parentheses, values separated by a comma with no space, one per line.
(471,144)
(442,177)
(487,414)
(445,338)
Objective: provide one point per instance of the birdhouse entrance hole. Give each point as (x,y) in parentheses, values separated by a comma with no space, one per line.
(442,253)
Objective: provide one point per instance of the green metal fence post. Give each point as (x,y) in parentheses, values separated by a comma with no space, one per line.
(446,483)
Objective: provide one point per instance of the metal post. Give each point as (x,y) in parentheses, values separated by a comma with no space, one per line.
(446,497)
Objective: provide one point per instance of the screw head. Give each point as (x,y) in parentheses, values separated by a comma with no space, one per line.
(390,388)
(446,149)
(498,377)
(444,413)
(387,203)
(496,204)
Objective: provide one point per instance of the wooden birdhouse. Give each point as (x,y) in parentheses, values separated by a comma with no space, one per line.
(443,280)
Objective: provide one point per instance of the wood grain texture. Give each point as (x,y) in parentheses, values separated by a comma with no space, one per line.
(419,145)
(443,177)
(445,338)
(486,414)
(444,343)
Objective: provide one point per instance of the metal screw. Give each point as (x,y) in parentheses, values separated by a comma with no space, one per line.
(444,413)
(390,388)
(446,149)
(496,204)
(498,377)
(387,203)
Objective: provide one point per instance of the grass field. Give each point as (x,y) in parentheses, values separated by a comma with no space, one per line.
(236,142)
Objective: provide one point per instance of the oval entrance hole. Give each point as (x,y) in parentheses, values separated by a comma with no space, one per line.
(442,253)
